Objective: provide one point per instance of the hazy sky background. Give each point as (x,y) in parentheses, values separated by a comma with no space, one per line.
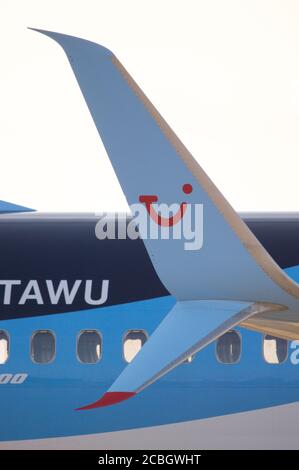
(224,74)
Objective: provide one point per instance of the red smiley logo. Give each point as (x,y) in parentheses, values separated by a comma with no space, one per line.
(164,221)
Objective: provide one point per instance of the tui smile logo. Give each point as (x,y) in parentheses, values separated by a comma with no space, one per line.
(152,220)
(158,218)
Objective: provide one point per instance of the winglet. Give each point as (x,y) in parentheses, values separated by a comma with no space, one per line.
(66,42)
(148,158)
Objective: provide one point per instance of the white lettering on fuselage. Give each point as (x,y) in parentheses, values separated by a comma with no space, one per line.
(65,292)
(14,379)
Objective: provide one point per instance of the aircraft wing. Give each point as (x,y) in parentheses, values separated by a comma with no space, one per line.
(188,327)
(224,263)
(8,208)
(280,328)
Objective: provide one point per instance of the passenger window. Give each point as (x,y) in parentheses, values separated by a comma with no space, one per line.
(42,347)
(4,347)
(275,349)
(133,342)
(228,348)
(89,347)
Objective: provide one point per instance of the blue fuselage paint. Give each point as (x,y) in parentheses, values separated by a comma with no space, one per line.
(44,404)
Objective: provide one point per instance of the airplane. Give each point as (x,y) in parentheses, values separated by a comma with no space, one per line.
(174,327)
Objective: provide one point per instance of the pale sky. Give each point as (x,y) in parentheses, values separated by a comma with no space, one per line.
(224,74)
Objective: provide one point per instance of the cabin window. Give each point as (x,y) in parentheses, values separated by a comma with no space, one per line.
(4,347)
(89,347)
(42,347)
(228,348)
(275,350)
(133,342)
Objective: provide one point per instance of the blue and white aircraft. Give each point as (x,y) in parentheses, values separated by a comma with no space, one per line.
(113,337)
